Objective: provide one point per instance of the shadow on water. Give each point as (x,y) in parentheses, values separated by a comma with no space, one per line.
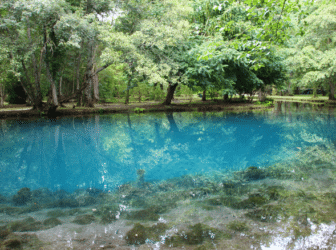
(171,180)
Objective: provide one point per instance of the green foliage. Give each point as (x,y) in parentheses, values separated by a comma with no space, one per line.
(139,110)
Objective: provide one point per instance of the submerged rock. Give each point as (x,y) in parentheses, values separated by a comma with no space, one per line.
(22,196)
(12,243)
(107,213)
(196,235)
(52,222)
(254,173)
(139,233)
(28,224)
(238,226)
(84,219)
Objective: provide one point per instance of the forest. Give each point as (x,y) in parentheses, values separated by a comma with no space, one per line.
(91,51)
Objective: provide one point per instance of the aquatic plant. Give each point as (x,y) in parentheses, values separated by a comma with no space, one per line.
(28,224)
(10,210)
(139,233)
(22,196)
(267,213)
(151,214)
(254,173)
(4,232)
(197,234)
(238,226)
(56,213)
(84,219)
(22,241)
(107,213)
(12,243)
(252,201)
(52,222)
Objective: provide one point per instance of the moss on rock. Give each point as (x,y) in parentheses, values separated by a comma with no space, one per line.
(139,233)
(52,222)
(196,235)
(84,219)
(238,226)
(28,224)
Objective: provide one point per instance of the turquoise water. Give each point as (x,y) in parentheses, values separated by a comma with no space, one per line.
(212,180)
(106,151)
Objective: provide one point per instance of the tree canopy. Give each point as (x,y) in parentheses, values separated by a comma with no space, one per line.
(55,50)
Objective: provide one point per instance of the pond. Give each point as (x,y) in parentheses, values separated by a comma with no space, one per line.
(211,180)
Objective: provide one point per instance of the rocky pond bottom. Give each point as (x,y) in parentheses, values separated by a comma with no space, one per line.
(289,205)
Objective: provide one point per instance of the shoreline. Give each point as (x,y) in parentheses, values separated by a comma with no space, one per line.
(108,108)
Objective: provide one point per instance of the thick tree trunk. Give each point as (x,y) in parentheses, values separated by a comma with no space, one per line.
(204,96)
(127,95)
(226,97)
(53,91)
(88,96)
(95,81)
(331,90)
(170,94)
(79,94)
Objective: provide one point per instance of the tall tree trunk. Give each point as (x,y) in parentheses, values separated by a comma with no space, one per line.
(88,96)
(204,96)
(31,99)
(226,97)
(53,91)
(2,95)
(79,95)
(95,81)
(170,94)
(331,90)
(127,95)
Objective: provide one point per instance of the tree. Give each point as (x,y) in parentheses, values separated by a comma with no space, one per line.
(42,37)
(235,54)
(313,59)
(149,38)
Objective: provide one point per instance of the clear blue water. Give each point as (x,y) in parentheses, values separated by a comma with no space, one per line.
(106,151)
